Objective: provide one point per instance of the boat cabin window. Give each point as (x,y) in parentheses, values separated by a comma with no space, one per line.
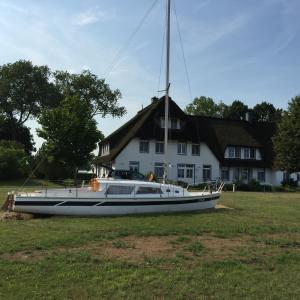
(119,189)
(149,190)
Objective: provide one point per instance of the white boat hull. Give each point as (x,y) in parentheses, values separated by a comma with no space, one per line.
(113,206)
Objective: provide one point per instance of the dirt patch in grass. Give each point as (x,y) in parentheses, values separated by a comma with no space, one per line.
(10,215)
(139,249)
(220,206)
(25,256)
(136,249)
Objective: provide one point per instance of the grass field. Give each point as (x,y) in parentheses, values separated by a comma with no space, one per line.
(251,251)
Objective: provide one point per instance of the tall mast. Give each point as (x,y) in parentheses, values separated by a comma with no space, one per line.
(168,2)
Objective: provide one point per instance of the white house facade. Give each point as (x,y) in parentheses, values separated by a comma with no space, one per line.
(200,149)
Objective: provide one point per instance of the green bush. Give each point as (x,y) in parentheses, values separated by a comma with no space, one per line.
(289,182)
(14,162)
(252,186)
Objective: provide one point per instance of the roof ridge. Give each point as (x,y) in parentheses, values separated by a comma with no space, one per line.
(138,114)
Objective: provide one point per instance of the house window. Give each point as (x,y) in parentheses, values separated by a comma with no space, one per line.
(185,171)
(237,152)
(231,152)
(144,147)
(245,174)
(225,174)
(252,153)
(196,150)
(105,149)
(236,174)
(180,170)
(206,172)
(159,170)
(261,176)
(159,147)
(246,153)
(189,171)
(172,124)
(181,148)
(134,166)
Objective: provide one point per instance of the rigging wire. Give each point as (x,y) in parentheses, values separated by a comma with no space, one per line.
(119,54)
(182,51)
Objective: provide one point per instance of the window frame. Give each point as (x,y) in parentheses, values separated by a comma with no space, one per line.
(144,142)
(160,144)
(227,177)
(189,170)
(231,152)
(204,169)
(197,153)
(238,152)
(247,151)
(181,146)
(263,173)
(132,163)
(159,166)
(180,167)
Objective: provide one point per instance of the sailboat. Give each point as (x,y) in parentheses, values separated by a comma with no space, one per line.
(120,197)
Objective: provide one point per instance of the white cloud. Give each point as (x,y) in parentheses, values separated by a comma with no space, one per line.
(13,7)
(91,16)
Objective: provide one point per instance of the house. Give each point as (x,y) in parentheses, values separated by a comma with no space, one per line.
(199,149)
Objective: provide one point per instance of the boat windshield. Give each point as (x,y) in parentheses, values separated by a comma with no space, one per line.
(120,189)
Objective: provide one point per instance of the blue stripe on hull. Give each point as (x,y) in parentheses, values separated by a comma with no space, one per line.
(109,203)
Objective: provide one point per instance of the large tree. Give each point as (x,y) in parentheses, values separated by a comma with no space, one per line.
(11,130)
(287,138)
(205,106)
(94,91)
(70,132)
(266,112)
(25,89)
(236,111)
(13,160)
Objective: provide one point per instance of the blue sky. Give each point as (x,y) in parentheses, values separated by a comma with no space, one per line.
(234,49)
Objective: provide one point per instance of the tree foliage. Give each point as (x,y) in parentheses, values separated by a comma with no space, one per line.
(70,132)
(287,138)
(94,91)
(13,160)
(205,106)
(236,111)
(25,90)
(266,112)
(11,130)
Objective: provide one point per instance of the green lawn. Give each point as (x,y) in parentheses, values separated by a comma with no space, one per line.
(249,252)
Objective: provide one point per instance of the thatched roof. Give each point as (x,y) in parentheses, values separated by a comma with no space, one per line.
(217,133)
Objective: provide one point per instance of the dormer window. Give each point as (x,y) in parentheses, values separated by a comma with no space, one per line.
(105,149)
(231,152)
(173,123)
(246,153)
(237,152)
(242,153)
